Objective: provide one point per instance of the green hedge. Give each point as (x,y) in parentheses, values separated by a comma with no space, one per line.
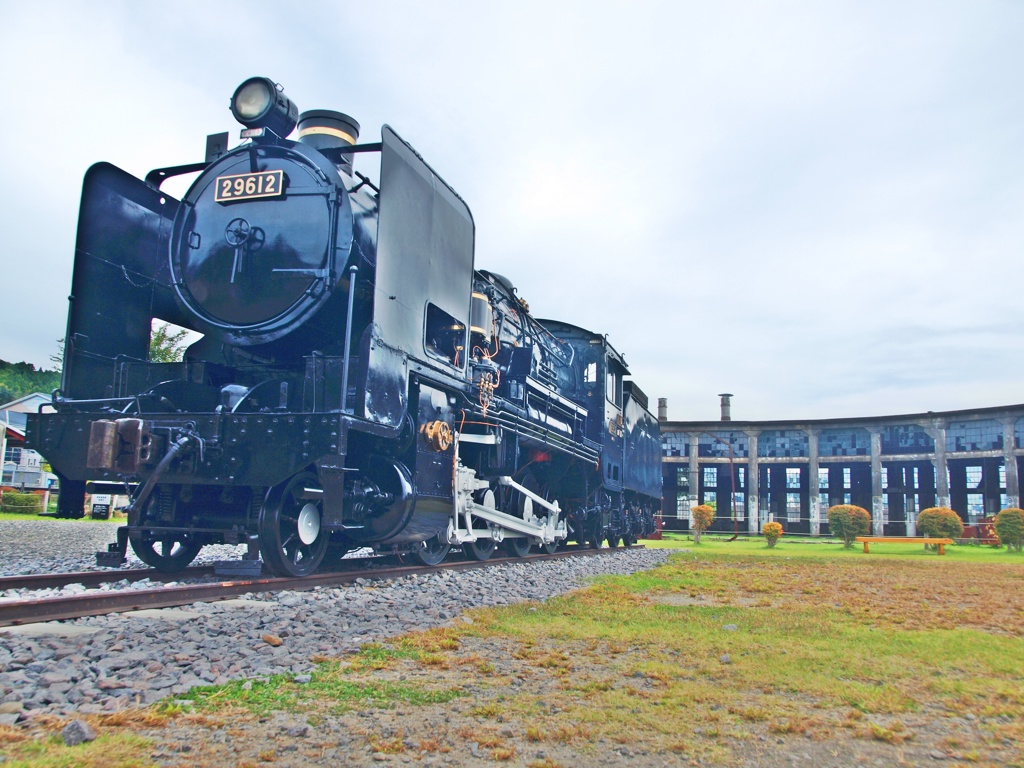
(940,522)
(847,522)
(1010,528)
(21,503)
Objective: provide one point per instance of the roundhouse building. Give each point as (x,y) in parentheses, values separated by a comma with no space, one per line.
(793,471)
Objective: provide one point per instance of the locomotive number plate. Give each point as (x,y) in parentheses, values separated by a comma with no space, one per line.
(246,186)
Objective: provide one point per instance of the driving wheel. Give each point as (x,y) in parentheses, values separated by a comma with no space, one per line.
(481,549)
(536,511)
(433,551)
(518,546)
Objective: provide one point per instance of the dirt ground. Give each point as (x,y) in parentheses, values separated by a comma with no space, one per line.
(472,731)
(524,701)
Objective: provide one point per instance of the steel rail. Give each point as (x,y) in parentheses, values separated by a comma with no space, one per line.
(96,578)
(20,612)
(113,575)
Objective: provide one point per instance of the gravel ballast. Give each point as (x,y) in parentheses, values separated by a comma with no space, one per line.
(59,546)
(122,660)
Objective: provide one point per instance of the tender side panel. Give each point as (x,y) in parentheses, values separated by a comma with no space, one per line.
(642,461)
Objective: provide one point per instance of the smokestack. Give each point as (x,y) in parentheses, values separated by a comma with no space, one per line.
(327,129)
(662,409)
(726,406)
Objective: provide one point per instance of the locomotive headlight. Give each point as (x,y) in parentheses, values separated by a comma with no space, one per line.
(260,103)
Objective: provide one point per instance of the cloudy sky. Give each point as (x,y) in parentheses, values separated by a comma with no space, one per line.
(817,206)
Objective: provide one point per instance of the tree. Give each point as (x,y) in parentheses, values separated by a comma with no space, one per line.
(20,379)
(58,359)
(165,345)
(1010,527)
(703,517)
(848,521)
(940,522)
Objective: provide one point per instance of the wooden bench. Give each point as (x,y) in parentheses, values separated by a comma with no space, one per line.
(904,540)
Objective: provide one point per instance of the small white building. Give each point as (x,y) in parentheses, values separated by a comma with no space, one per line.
(23,467)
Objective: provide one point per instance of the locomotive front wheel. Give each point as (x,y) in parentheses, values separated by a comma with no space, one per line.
(292,542)
(433,551)
(167,552)
(613,541)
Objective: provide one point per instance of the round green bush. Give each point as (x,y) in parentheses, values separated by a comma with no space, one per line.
(940,522)
(1010,527)
(848,521)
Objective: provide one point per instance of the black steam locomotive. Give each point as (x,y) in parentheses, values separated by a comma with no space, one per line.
(357,383)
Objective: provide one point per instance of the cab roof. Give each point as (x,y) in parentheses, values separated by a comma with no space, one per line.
(560,328)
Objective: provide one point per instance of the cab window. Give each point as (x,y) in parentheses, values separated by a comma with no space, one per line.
(444,336)
(614,385)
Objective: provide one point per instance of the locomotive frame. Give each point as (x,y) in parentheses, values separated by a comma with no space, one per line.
(359,382)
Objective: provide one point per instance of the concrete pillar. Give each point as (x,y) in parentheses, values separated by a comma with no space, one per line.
(876,483)
(694,472)
(912,522)
(1010,462)
(812,481)
(753,489)
(938,433)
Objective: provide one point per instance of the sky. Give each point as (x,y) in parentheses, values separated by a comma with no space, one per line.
(815,205)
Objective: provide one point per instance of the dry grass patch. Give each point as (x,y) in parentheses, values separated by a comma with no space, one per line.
(389,746)
(432,744)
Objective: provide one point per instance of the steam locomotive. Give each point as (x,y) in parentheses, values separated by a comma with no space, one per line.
(357,383)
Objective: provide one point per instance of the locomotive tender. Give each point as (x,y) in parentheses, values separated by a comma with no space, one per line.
(358,383)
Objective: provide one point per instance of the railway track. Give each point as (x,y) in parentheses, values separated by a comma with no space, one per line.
(97,603)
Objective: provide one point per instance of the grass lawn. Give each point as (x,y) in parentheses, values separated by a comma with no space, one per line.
(830,549)
(87,519)
(730,654)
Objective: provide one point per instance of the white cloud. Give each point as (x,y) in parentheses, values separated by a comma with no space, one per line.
(815,206)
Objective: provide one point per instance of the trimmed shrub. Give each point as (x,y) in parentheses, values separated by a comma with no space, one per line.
(21,503)
(847,522)
(940,522)
(1010,528)
(703,517)
(772,533)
